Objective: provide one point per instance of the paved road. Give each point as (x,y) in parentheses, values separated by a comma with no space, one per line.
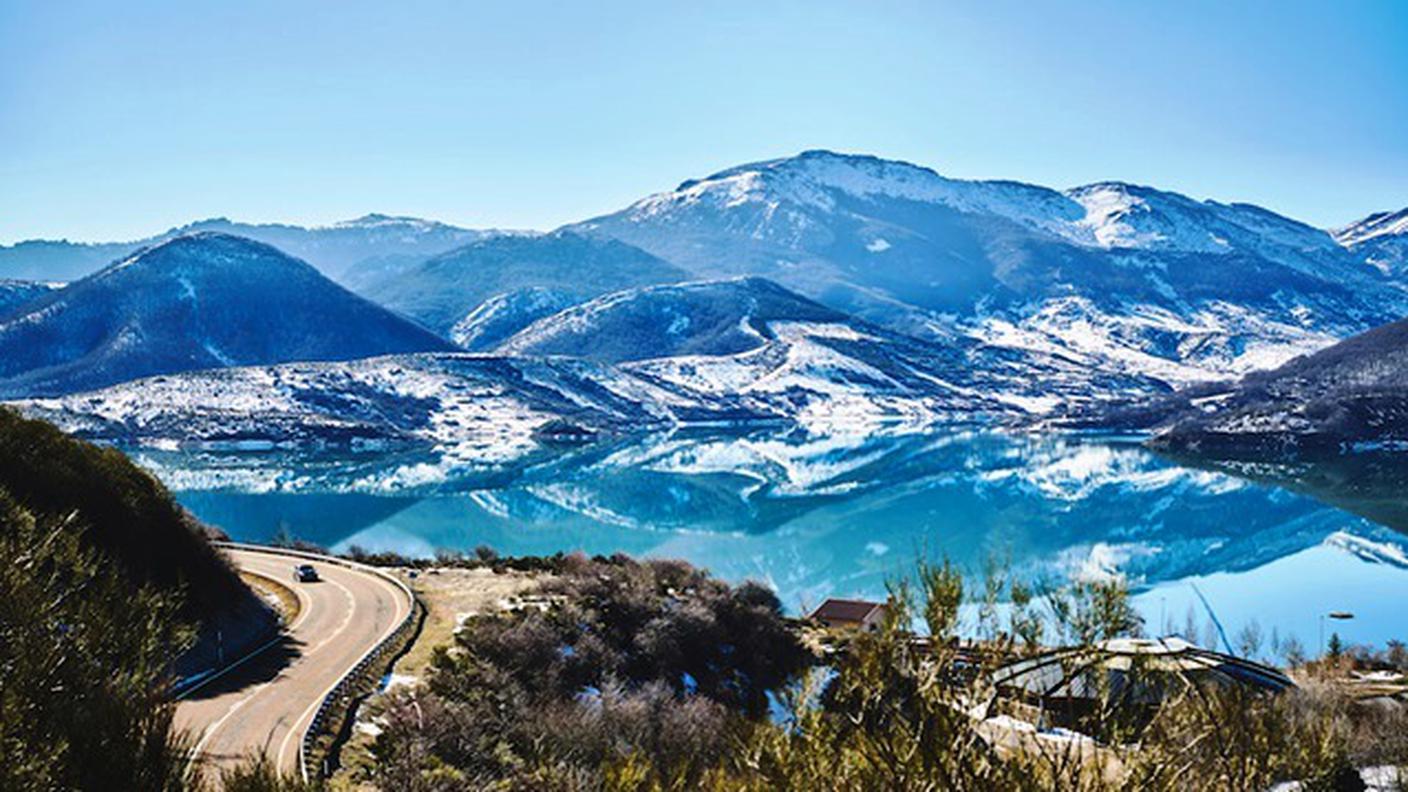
(266,703)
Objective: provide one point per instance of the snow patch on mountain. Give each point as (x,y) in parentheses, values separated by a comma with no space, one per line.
(1217,341)
(1375,226)
(501,316)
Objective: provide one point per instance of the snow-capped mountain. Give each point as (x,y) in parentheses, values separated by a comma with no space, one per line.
(443,290)
(1113,277)
(366,242)
(199,301)
(1381,239)
(502,315)
(785,354)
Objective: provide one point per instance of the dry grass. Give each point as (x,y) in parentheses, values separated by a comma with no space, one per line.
(275,593)
(451,594)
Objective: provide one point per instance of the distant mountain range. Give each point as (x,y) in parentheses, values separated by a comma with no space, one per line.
(205,300)
(367,242)
(821,287)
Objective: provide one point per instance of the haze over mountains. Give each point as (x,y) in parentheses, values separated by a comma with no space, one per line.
(441,291)
(368,241)
(810,287)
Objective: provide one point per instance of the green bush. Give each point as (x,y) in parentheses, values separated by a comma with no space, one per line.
(84,659)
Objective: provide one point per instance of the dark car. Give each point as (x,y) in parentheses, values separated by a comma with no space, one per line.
(305,573)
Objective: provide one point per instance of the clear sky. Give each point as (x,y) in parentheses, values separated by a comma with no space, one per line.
(120,119)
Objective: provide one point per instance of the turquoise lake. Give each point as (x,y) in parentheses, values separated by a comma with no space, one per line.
(837,515)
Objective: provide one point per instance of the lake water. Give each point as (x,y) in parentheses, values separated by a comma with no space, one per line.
(816,516)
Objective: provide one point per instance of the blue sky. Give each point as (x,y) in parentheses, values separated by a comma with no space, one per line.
(122,119)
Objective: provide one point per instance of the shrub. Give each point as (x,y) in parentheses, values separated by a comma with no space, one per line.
(84,658)
(637,667)
(129,516)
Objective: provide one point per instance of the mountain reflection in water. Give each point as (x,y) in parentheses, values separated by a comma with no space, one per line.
(839,514)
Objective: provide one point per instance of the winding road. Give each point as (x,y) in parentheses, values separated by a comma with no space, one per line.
(266,701)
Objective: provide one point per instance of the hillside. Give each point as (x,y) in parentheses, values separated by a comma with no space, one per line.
(441,291)
(1351,396)
(108,593)
(1381,239)
(500,316)
(816,373)
(15,293)
(118,508)
(198,301)
(486,405)
(708,318)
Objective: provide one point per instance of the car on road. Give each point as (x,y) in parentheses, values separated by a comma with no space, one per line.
(305,573)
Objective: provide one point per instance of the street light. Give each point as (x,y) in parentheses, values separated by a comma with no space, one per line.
(1338,616)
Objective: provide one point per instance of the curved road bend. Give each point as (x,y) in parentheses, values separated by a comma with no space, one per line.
(267,702)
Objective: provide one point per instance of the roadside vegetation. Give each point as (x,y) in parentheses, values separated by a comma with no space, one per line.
(121,511)
(85,661)
(103,579)
(629,675)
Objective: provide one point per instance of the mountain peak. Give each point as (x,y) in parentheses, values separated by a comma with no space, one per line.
(204,251)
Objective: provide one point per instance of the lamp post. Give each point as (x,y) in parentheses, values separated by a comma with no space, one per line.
(1338,616)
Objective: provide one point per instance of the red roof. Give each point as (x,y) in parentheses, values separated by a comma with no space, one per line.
(845,610)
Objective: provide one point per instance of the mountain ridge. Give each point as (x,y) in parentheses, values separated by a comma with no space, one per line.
(332,248)
(904,247)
